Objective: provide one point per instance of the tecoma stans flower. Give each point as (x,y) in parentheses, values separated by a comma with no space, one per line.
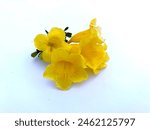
(47,43)
(66,68)
(94,54)
(69,61)
(93,47)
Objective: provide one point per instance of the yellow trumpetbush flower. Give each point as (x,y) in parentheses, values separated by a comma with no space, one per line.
(94,54)
(93,47)
(71,62)
(92,31)
(50,42)
(66,68)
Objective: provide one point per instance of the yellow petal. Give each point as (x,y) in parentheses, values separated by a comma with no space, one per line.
(66,46)
(77,37)
(100,67)
(63,82)
(59,54)
(46,55)
(105,46)
(75,48)
(106,56)
(78,75)
(77,60)
(56,36)
(96,32)
(93,23)
(41,42)
(93,53)
(89,41)
(60,73)
(50,72)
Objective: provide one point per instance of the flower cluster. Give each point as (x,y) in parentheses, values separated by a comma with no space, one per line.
(69,60)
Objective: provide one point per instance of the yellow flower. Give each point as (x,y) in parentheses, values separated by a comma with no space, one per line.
(66,68)
(93,47)
(94,54)
(50,42)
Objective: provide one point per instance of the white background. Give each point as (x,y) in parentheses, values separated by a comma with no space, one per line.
(124,86)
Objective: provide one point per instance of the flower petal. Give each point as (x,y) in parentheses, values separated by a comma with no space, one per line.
(56,36)
(78,75)
(60,73)
(50,72)
(100,67)
(93,53)
(46,55)
(79,36)
(41,42)
(93,23)
(77,60)
(59,54)
(63,83)
(75,49)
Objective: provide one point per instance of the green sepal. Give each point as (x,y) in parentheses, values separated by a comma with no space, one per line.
(34,54)
(66,28)
(68,34)
(46,31)
(37,52)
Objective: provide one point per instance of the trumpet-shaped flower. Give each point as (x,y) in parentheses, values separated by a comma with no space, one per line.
(93,47)
(66,68)
(50,42)
(94,54)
